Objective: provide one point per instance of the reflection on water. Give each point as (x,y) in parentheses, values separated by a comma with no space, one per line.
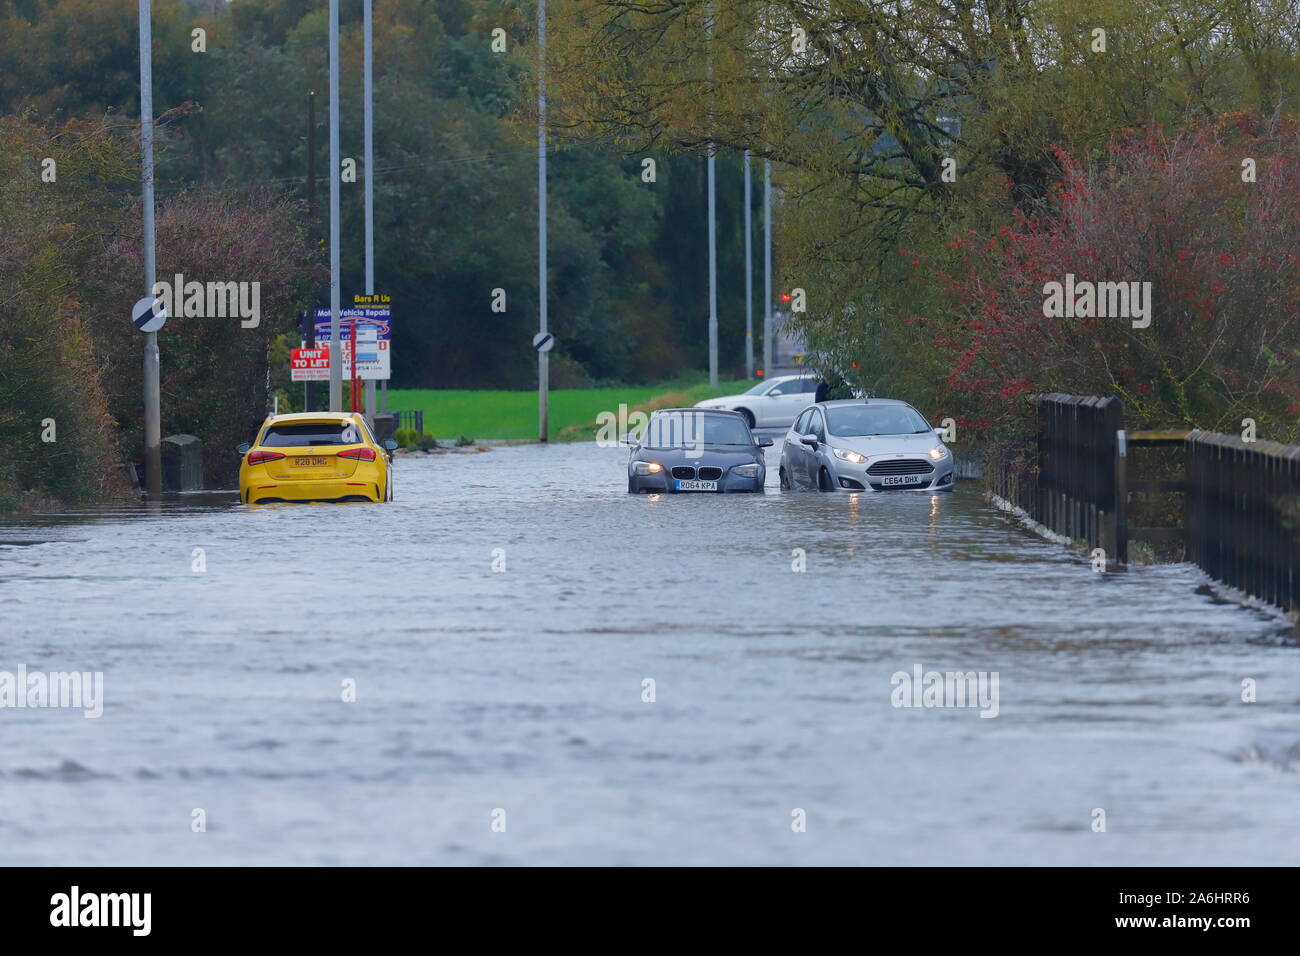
(523,689)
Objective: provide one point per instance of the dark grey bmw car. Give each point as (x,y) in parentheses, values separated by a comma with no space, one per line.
(696,449)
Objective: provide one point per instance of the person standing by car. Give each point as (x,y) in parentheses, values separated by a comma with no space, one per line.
(832,387)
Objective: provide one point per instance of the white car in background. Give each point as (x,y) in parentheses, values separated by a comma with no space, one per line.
(773,403)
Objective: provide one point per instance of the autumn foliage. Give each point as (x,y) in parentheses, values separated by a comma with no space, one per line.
(1222,254)
(213,371)
(70,271)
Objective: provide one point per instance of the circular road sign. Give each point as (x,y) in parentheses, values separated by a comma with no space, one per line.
(543,341)
(148,314)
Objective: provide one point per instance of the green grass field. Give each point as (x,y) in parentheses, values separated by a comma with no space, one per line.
(448,413)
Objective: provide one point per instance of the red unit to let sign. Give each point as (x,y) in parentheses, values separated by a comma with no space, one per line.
(310,365)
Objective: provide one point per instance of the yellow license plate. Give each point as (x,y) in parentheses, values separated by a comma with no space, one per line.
(309,462)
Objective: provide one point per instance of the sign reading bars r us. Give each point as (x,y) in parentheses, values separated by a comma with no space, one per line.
(371,310)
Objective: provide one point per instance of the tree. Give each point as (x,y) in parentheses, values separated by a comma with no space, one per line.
(1220,257)
(865,106)
(214,371)
(50,384)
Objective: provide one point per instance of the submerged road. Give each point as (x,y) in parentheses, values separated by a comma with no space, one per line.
(522,690)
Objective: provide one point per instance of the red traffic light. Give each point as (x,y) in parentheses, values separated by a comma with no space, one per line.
(760,373)
(785,296)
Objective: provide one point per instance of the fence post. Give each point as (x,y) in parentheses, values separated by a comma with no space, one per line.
(1192,474)
(1236,477)
(1272,526)
(1039,511)
(1072,474)
(1121,496)
(1292,485)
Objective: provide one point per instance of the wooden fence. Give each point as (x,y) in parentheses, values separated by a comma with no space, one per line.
(1072,484)
(1243,514)
(1241,500)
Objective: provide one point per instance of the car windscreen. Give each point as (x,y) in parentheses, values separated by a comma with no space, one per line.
(758,389)
(317,433)
(692,429)
(848,421)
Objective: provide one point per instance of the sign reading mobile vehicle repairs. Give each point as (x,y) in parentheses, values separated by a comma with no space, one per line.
(373,361)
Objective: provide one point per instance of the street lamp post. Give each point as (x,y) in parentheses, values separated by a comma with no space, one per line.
(713,231)
(336,361)
(309,323)
(370,188)
(152,390)
(767,267)
(543,367)
(749,282)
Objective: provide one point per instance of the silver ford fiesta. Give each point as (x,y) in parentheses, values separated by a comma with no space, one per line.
(865,444)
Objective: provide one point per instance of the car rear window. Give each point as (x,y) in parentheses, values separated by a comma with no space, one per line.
(320,433)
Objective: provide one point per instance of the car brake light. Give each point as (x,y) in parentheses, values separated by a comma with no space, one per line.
(257,457)
(361,454)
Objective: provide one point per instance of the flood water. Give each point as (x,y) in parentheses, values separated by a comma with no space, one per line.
(522,690)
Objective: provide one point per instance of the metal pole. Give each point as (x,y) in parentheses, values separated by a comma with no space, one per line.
(543,368)
(311,158)
(713,278)
(713,232)
(309,333)
(352,365)
(749,283)
(336,361)
(767,267)
(370,188)
(152,390)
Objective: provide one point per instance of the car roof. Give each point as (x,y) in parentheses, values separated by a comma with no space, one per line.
(786,378)
(699,411)
(312,417)
(863,401)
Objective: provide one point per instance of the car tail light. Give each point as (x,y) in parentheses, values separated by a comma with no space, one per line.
(257,457)
(361,454)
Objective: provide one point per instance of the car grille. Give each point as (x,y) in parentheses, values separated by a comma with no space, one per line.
(683,472)
(901,466)
(709,473)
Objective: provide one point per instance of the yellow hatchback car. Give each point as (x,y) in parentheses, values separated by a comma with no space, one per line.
(315,456)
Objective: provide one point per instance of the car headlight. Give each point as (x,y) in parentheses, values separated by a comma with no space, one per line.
(746,471)
(848,454)
(644,468)
(939,453)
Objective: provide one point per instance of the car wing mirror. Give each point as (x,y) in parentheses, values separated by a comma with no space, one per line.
(811,440)
(629,440)
(390,445)
(242,450)
(765,443)
(941,431)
